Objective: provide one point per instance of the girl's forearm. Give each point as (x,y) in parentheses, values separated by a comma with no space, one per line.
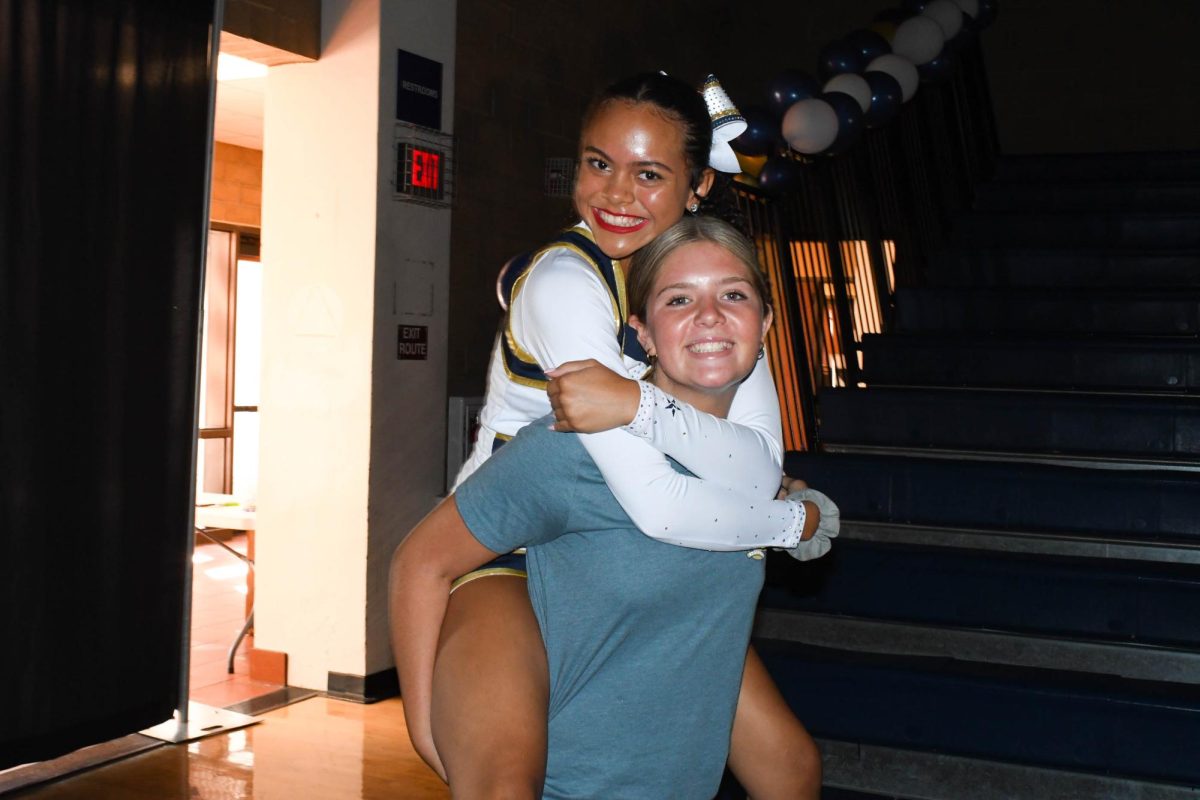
(418,600)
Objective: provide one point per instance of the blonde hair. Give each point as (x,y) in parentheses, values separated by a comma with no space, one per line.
(648,262)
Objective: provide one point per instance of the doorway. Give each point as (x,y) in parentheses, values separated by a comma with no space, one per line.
(227,448)
(227,472)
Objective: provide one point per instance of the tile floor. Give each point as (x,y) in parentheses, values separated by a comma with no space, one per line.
(218,611)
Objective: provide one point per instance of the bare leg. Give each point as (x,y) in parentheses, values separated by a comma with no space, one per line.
(490,692)
(771,754)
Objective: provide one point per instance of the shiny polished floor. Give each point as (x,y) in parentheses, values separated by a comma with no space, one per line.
(316,749)
(218,611)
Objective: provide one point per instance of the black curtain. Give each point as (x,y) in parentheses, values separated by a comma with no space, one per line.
(103,146)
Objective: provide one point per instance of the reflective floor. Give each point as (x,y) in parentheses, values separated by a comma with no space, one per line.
(312,750)
(218,610)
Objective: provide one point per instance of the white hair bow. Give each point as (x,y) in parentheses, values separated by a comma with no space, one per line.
(727,124)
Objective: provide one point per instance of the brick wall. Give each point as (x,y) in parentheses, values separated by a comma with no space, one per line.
(236,186)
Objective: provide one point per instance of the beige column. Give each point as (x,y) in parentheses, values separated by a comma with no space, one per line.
(352,438)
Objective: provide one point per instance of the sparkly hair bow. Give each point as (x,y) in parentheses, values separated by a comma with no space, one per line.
(727,124)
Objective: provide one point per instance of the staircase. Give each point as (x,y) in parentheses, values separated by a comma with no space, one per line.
(1013,608)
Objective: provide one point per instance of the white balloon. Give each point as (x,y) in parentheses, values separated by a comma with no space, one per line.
(810,126)
(919,39)
(853,85)
(899,68)
(969,7)
(947,15)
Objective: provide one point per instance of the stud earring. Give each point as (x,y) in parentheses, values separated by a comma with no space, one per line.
(693,208)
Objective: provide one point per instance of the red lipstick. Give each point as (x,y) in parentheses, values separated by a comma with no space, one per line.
(608,226)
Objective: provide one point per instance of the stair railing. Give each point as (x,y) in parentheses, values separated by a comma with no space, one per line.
(857,224)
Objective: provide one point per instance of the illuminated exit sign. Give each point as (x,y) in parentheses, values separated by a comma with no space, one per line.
(424,168)
(420,171)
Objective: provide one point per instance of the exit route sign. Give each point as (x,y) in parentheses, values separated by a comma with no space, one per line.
(412,343)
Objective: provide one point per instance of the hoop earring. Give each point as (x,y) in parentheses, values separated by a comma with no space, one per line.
(762,351)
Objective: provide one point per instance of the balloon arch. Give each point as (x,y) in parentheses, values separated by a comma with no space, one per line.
(861,82)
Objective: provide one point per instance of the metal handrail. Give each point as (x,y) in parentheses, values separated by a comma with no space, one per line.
(859,224)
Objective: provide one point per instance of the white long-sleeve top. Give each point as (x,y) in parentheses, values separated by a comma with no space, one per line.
(564,312)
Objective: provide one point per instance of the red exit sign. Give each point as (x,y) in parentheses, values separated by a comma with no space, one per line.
(425,172)
(420,171)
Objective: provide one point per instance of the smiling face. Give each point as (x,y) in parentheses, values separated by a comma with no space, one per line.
(705,322)
(634,180)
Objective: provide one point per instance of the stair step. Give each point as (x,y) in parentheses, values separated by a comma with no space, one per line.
(1091,167)
(1125,427)
(1094,600)
(841,631)
(833,793)
(1042,195)
(1151,231)
(1061,363)
(866,771)
(1095,311)
(973,265)
(1051,718)
(1062,543)
(1117,506)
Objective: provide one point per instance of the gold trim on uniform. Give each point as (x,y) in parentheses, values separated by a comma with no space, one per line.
(622,301)
(518,284)
(487,573)
(532,383)
(619,304)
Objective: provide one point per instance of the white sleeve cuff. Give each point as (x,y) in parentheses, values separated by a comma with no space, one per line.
(643,420)
(827,528)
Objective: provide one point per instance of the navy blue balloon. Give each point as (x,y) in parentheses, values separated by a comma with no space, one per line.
(970,29)
(938,70)
(869,44)
(762,134)
(965,35)
(913,7)
(886,98)
(987,14)
(780,174)
(850,121)
(838,57)
(789,87)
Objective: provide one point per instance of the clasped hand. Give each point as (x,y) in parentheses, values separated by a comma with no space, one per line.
(588,397)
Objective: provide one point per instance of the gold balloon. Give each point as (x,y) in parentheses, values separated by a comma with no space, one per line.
(751,165)
(749,180)
(885,29)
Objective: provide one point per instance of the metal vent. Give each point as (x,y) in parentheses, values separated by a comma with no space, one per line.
(559,177)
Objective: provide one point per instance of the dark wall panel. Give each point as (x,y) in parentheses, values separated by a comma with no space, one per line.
(526,68)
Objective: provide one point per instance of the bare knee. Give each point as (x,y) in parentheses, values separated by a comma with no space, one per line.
(771,753)
(803,779)
(500,769)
